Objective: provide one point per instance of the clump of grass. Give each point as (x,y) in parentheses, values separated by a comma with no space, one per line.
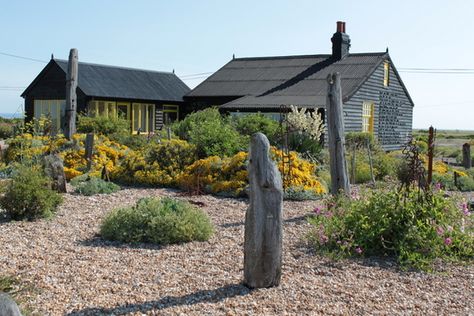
(157,221)
(94,185)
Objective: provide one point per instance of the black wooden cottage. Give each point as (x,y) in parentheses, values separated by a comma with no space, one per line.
(148,99)
(375,99)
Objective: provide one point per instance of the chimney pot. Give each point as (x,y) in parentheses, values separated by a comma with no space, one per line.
(341,27)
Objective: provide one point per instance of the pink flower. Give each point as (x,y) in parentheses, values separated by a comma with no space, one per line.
(465,209)
(448,241)
(358,250)
(318,210)
(323,239)
(439,230)
(438,186)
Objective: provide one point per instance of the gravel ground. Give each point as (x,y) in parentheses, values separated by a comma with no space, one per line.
(74,272)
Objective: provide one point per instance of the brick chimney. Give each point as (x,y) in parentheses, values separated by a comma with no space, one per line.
(340,42)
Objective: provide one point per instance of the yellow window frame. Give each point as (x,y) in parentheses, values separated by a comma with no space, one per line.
(368,117)
(44,108)
(386,74)
(136,113)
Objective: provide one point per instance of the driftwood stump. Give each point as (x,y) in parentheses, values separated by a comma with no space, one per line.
(336,139)
(263,220)
(466,156)
(8,307)
(54,169)
(71,96)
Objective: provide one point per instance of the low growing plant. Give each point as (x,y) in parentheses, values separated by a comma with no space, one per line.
(29,196)
(94,185)
(416,227)
(157,221)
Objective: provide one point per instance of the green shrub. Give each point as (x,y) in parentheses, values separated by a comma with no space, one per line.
(415,227)
(171,155)
(158,221)
(212,134)
(249,124)
(300,194)
(6,131)
(308,148)
(95,185)
(466,183)
(102,125)
(29,196)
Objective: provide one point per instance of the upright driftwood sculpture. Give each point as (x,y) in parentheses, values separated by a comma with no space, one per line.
(263,230)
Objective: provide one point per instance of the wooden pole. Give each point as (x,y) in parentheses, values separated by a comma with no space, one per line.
(430,155)
(371,164)
(336,139)
(466,156)
(89,149)
(71,98)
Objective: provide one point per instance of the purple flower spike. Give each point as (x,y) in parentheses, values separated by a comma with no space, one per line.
(358,250)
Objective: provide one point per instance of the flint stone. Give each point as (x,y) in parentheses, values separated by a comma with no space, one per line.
(54,169)
(263,220)
(8,307)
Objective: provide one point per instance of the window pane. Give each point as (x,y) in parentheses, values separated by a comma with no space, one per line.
(151,115)
(136,116)
(143,117)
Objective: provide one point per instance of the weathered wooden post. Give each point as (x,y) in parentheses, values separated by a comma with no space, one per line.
(89,148)
(168,133)
(430,155)
(336,140)
(71,98)
(263,220)
(8,307)
(466,156)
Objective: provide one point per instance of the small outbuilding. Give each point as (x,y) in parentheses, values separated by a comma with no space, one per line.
(375,100)
(148,99)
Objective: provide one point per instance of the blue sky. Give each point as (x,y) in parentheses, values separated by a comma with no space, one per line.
(201,36)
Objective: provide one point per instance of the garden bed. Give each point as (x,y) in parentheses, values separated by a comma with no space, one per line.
(75,272)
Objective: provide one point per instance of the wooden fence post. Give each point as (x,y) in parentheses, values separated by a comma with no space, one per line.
(466,156)
(336,139)
(430,155)
(89,149)
(71,98)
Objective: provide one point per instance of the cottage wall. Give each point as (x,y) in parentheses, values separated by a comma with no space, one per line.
(393,110)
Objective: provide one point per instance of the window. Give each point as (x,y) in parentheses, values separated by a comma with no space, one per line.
(368,117)
(170,113)
(52,109)
(103,108)
(386,74)
(143,117)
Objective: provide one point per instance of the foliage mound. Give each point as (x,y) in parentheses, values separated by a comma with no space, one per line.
(249,124)
(102,125)
(29,195)
(160,164)
(416,227)
(158,221)
(92,185)
(228,176)
(212,133)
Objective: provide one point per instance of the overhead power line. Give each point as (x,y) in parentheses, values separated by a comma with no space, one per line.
(23,57)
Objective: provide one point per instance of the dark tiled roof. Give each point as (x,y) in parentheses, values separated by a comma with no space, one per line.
(127,83)
(273,81)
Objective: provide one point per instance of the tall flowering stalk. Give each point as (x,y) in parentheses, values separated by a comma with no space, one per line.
(307,122)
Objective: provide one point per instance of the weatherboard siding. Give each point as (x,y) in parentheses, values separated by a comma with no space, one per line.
(393,112)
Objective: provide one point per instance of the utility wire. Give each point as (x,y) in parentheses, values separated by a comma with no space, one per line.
(22,57)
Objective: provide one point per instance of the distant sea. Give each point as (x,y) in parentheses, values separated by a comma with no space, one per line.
(11,115)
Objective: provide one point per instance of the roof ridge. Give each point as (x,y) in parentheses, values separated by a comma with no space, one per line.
(284,57)
(117,67)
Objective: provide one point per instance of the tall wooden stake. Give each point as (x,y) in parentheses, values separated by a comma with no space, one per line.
(336,139)
(71,98)
(466,156)
(430,155)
